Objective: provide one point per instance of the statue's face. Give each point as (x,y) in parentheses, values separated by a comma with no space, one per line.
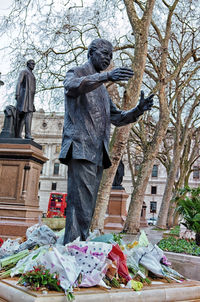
(101,58)
(31,65)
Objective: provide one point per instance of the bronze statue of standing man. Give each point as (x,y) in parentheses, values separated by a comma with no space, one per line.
(25,92)
(89,112)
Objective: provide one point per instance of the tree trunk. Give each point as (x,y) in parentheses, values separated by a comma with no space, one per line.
(176,218)
(170,217)
(163,213)
(132,224)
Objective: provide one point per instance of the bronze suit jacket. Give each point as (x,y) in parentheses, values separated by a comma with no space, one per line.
(89,112)
(25,91)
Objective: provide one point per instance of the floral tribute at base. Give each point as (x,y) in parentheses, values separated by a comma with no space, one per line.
(42,263)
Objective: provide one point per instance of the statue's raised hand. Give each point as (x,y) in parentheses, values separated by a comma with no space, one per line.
(145,103)
(120,74)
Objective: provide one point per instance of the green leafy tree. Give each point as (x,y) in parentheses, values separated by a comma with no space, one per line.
(189,209)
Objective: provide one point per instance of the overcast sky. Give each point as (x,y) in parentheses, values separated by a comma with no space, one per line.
(4,9)
(4,63)
(4,5)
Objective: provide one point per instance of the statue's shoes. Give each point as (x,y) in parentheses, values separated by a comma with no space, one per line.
(28,137)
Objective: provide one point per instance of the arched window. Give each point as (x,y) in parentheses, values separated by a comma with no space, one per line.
(154,172)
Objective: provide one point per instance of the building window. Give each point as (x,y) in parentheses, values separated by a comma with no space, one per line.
(196,172)
(137,167)
(58,148)
(154,171)
(153,206)
(41,172)
(56,169)
(39,185)
(153,190)
(53,186)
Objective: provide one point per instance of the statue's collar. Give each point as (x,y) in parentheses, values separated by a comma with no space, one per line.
(29,70)
(90,67)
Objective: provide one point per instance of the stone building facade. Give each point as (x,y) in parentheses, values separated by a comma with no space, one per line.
(47,131)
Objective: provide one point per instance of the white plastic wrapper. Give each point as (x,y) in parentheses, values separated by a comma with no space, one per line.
(150,258)
(57,261)
(9,247)
(65,265)
(38,235)
(26,264)
(31,229)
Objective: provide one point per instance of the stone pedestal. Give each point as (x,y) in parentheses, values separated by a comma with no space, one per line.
(187,291)
(21,161)
(116,210)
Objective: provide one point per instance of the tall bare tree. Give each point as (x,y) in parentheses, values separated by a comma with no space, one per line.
(140,27)
(184,115)
(180,133)
(169,57)
(150,150)
(190,155)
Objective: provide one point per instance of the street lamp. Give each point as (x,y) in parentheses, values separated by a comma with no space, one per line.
(1,82)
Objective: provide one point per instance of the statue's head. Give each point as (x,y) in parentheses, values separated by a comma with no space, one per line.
(100,54)
(30,64)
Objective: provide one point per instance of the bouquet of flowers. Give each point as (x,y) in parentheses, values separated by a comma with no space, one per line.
(40,278)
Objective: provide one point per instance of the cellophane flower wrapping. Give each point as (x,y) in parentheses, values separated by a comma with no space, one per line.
(118,256)
(92,259)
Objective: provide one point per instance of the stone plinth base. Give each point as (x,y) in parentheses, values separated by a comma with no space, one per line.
(186,265)
(21,161)
(182,292)
(13,228)
(116,210)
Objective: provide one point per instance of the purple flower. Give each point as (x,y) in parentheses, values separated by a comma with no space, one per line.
(165,261)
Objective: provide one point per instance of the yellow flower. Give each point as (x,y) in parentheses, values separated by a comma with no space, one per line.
(136,285)
(132,245)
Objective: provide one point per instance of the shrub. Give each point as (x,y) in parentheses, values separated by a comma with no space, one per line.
(189,208)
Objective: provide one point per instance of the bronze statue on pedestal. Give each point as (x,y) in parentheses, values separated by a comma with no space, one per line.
(25,92)
(21,114)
